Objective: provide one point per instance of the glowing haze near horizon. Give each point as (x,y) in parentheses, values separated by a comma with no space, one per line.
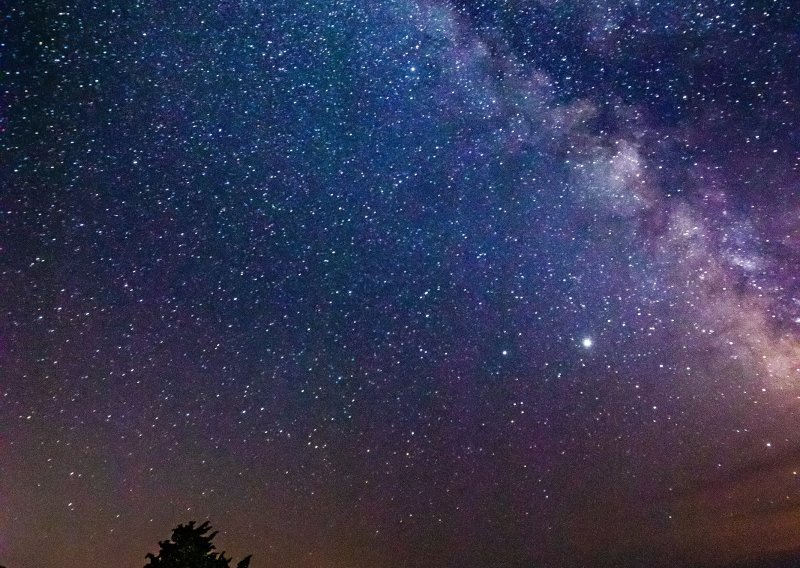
(411,284)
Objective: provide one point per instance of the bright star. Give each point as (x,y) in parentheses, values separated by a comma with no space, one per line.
(587,342)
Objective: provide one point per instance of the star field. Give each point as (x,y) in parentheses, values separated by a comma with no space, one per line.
(401,283)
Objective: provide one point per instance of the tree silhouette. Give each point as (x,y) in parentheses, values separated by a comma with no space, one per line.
(191,547)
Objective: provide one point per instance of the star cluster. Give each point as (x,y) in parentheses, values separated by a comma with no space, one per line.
(417,283)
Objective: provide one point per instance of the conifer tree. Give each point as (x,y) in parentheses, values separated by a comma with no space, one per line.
(191,547)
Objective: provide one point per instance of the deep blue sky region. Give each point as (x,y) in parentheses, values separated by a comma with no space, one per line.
(401,283)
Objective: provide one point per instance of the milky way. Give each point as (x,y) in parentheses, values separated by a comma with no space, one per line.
(413,284)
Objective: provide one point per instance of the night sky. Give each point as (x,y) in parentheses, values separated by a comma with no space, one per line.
(424,284)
